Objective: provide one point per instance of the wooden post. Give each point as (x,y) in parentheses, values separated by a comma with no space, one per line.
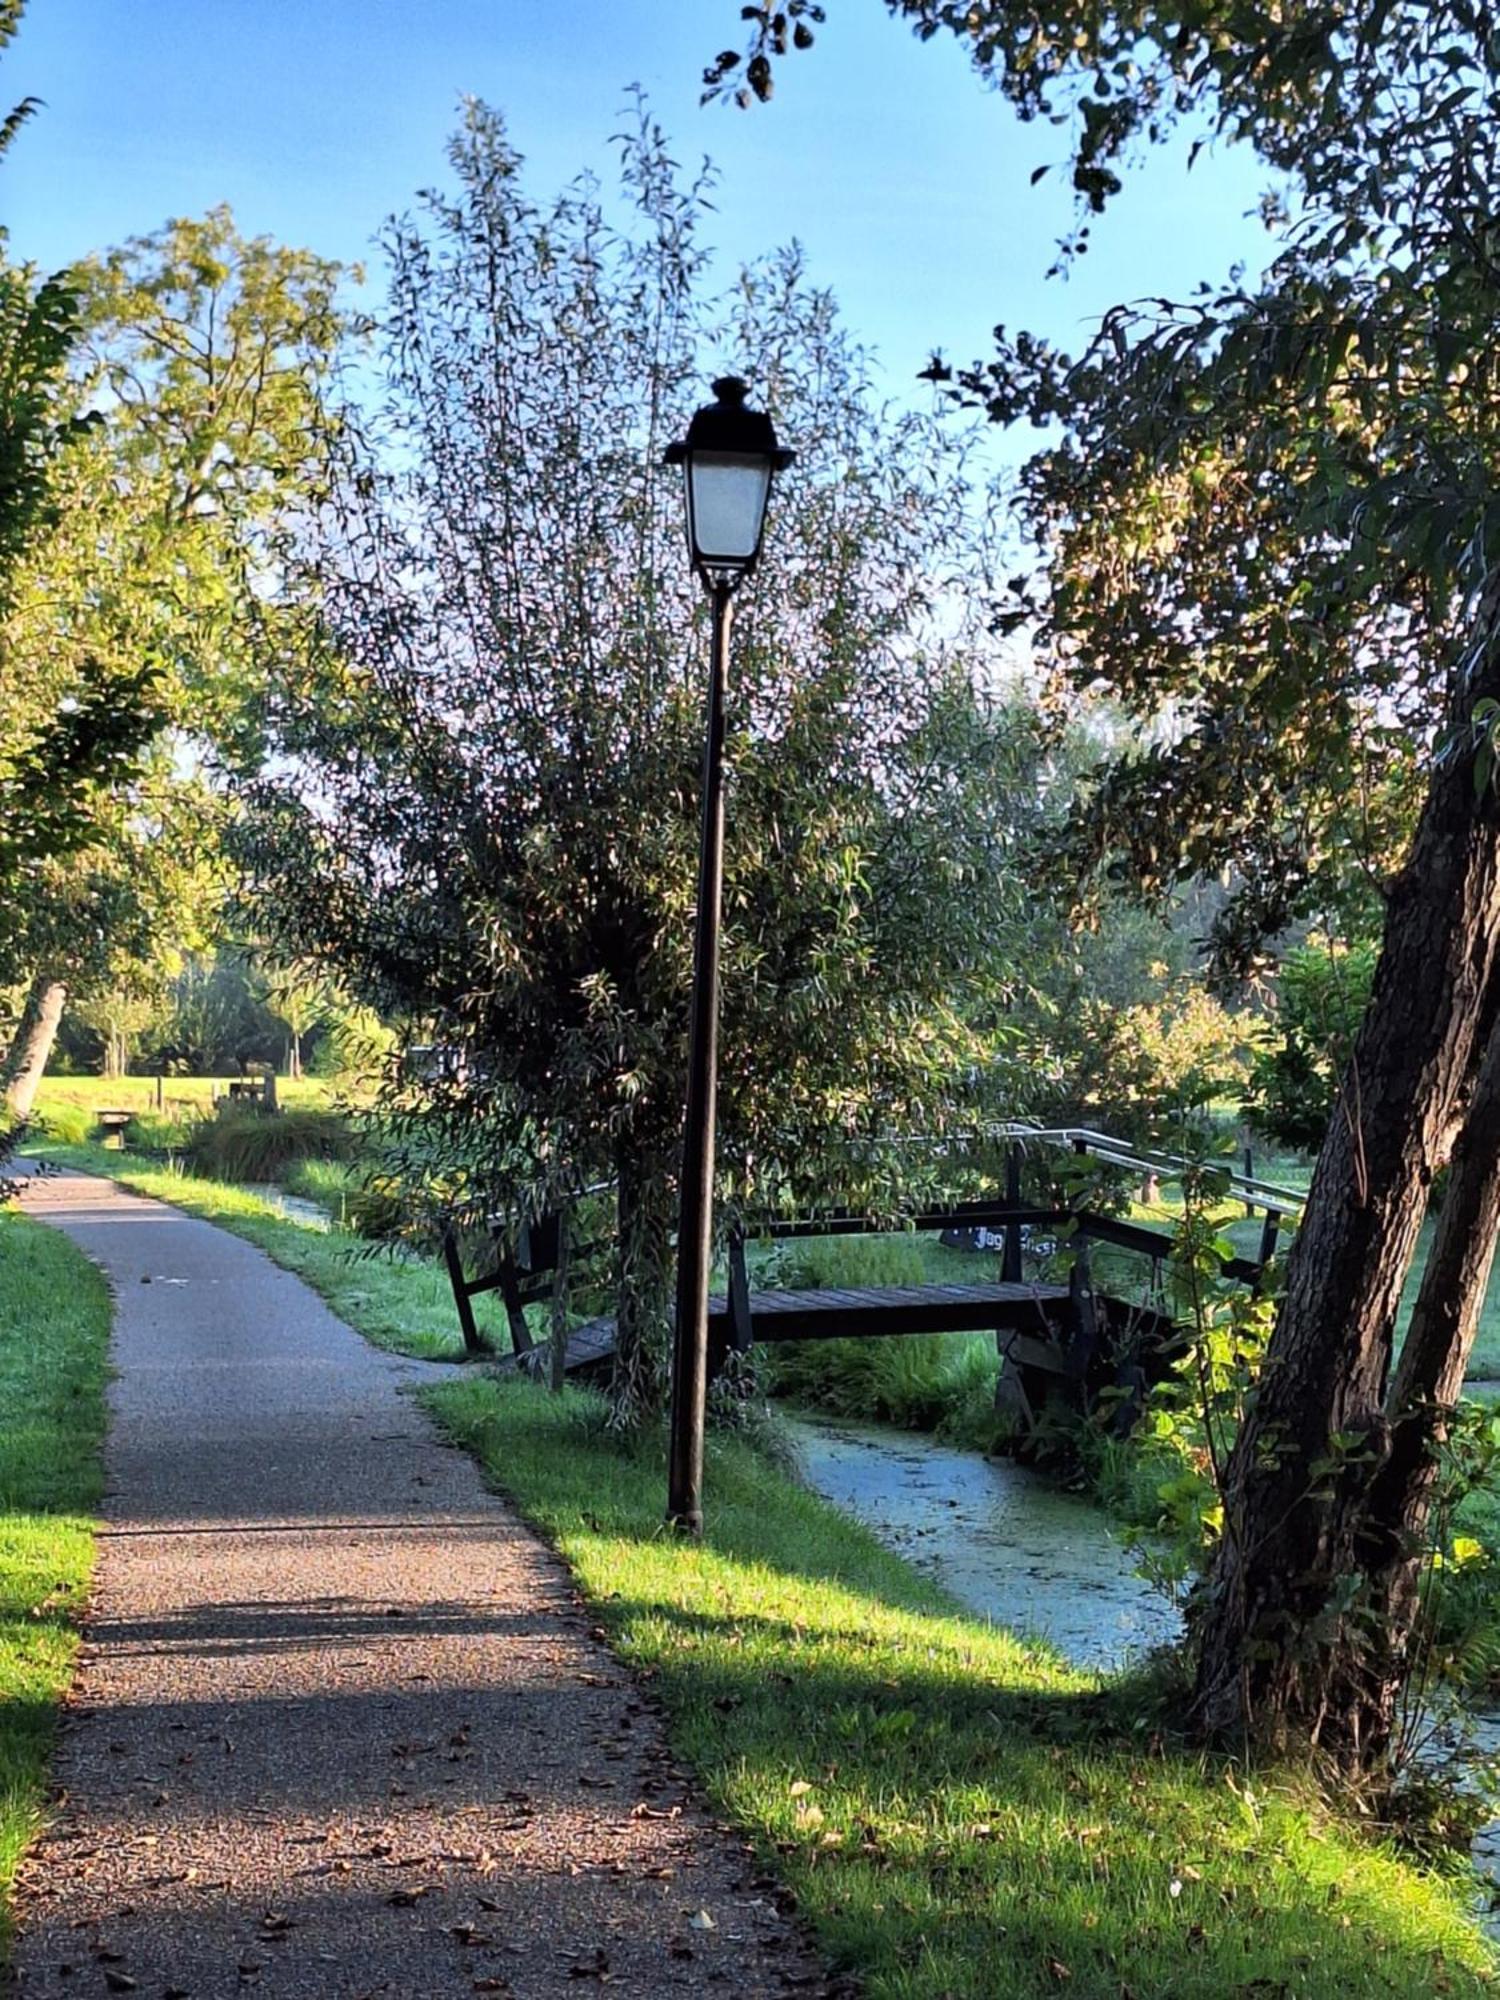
(161,1085)
(515,1309)
(472,1343)
(1249,1176)
(740,1335)
(1270,1229)
(1010,1265)
(1083,1319)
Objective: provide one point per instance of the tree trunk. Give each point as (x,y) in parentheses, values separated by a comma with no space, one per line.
(32,1047)
(1282,1625)
(1428,1382)
(643,1288)
(558,1332)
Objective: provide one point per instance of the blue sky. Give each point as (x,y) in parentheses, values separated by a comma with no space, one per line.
(905,179)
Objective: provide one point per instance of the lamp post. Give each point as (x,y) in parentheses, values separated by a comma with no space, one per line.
(728,457)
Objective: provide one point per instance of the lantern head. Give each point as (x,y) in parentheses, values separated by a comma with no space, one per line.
(728,457)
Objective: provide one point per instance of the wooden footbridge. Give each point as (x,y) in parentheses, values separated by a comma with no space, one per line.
(1067,1341)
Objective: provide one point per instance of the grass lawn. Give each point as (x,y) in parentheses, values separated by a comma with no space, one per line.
(138,1093)
(957,1814)
(54,1337)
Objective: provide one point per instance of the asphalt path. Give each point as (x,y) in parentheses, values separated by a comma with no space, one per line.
(341,1726)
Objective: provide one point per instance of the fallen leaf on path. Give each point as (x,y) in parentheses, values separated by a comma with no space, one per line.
(702,1921)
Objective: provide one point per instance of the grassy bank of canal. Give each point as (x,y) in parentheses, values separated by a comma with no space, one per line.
(955,1812)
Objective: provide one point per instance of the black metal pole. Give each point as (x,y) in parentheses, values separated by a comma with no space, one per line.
(695,1226)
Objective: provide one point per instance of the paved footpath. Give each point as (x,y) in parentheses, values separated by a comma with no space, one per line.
(340,1726)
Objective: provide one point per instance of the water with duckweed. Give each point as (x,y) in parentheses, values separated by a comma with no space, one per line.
(999,1537)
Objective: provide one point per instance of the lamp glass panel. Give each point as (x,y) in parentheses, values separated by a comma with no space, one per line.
(726,504)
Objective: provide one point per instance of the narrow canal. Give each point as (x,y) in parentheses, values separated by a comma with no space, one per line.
(1004,1541)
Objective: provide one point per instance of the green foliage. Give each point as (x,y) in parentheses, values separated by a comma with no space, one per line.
(54,1338)
(248,1144)
(942,1382)
(189,374)
(1136,1069)
(483,812)
(821,1263)
(1322,993)
(10,20)
(957,1814)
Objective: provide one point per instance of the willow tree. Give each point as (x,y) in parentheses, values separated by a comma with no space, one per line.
(482,814)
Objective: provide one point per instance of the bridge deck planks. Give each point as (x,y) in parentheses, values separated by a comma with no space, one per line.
(834,1314)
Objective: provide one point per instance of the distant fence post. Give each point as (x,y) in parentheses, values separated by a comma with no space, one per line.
(1010,1268)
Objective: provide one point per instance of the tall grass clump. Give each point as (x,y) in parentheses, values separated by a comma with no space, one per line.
(942,1382)
(163,1132)
(245,1143)
(63,1123)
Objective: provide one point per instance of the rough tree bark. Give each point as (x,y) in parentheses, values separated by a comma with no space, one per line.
(1424,1394)
(1282,1629)
(30,1051)
(558,1331)
(643,1285)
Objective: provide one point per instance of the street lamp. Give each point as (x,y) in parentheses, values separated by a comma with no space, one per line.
(728,457)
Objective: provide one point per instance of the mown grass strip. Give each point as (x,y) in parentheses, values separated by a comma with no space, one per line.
(54,1341)
(958,1813)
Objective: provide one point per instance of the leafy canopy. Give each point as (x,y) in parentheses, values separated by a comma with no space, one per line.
(483,809)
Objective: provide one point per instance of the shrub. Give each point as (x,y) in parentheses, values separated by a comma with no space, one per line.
(1323,992)
(245,1143)
(1133,1070)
